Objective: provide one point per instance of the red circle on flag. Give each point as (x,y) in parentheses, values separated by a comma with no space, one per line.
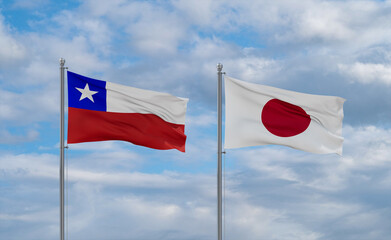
(284,119)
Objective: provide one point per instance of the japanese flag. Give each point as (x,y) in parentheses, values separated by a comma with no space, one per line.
(261,115)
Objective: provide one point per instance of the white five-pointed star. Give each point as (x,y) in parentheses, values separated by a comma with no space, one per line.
(86,93)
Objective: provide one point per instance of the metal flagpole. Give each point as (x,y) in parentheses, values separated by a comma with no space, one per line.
(219,151)
(62,68)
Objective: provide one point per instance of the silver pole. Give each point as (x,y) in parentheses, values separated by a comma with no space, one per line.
(219,152)
(62,62)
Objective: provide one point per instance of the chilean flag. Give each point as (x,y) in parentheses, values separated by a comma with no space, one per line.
(100,111)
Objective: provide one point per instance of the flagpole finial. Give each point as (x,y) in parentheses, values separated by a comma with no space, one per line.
(219,67)
(62,61)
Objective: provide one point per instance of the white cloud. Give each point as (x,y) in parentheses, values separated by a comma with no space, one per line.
(367,73)
(365,149)
(204,120)
(30,166)
(203,14)
(43,216)
(253,69)
(323,21)
(96,31)
(10,48)
(9,138)
(104,146)
(14,107)
(163,216)
(76,51)
(135,180)
(351,24)
(151,29)
(210,15)
(368,146)
(156,32)
(29,4)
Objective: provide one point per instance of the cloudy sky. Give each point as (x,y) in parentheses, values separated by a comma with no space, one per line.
(117,190)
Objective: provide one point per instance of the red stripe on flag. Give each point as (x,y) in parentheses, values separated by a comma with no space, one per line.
(146,130)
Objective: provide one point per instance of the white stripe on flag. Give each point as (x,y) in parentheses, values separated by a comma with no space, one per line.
(125,99)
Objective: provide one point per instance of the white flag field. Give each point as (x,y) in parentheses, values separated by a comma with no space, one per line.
(262,115)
